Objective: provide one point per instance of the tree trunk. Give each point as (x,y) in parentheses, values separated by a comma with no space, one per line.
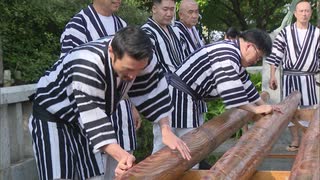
(307,162)
(318,13)
(241,161)
(1,64)
(168,164)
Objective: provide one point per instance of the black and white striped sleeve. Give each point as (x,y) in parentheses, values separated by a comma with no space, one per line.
(278,49)
(150,93)
(74,35)
(88,86)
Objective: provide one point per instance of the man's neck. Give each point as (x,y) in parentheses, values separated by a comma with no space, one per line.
(189,27)
(163,26)
(302,25)
(102,11)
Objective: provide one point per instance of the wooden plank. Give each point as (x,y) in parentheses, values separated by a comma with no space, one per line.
(270,175)
(280,156)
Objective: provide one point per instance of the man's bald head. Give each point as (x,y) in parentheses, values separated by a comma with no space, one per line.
(189,12)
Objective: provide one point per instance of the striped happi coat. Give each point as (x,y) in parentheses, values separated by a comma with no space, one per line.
(212,71)
(167,47)
(189,47)
(187,38)
(300,63)
(87,26)
(82,88)
(84,27)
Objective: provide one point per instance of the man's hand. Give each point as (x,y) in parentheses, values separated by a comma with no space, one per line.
(273,84)
(173,142)
(267,109)
(124,164)
(136,118)
(125,159)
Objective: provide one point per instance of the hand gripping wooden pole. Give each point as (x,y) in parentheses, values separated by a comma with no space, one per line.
(241,161)
(168,164)
(307,162)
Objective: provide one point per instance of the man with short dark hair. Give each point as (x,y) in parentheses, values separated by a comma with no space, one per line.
(168,51)
(70,123)
(91,23)
(297,46)
(218,70)
(232,33)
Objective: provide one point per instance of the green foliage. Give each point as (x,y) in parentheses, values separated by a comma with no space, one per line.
(30,31)
(132,14)
(30,34)
(256,79)
(144,141)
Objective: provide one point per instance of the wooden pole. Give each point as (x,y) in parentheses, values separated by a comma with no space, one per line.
(168,164)
(241,161)
(307,162)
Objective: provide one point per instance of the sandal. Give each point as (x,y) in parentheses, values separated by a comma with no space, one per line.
(292,148)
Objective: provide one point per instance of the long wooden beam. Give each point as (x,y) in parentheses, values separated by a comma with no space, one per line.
(307,162)
(241,161)
(168,164)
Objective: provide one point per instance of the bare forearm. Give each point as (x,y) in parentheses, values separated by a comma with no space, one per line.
(272,71)
(115,151)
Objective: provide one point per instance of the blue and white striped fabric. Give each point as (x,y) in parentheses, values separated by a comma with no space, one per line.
(296,56)
(167,46)
(212,71)
(81,90)
(85,27)
(191,41)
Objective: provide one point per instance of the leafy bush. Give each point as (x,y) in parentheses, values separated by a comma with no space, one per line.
(30,34)
(132,13)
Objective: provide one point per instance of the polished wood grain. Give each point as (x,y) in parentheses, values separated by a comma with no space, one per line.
(241,161)
(307,162)
(168,164)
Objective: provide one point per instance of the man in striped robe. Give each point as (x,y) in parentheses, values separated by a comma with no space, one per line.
(167,48)
(91,23)
(70,124)
(297,47)
(218,70)
(188,19)
(191,40)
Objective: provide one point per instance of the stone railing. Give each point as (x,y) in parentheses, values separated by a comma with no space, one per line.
(16,154)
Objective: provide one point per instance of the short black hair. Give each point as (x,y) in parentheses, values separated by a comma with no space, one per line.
(260,38)
(232,32)
(133,41)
